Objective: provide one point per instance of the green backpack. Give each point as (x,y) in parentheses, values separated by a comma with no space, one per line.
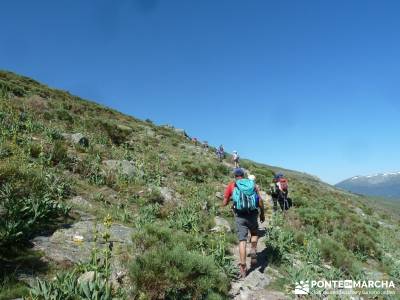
(245,197)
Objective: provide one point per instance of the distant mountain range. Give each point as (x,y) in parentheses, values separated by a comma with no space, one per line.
(382,185)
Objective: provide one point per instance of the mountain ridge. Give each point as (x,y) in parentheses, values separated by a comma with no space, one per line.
(379,184)
(96,175)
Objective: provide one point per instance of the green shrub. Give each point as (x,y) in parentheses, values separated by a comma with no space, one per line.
(29,200)
(35,149)
(11,288)
(340,257)
(169,267)
(201,171)
(23,216)
(195,171)
(187,218)
(64,115)
(218,249)
(90,168)
(280,241)
(5,151)
(117,135)
(154,196)
(147,214)
(53,134)
(58,153)
(47,115)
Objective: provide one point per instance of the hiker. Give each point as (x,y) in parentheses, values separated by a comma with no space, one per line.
(205,145)
(235,159)
(282,191)
(246,203)
(221,153)
(273,191)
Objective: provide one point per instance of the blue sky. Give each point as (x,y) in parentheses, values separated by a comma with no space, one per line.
(307,85)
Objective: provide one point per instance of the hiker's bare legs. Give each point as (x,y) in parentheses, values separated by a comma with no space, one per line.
(253,251)
(254,240)
(242,252)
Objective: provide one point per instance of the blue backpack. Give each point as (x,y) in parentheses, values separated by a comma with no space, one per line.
(245,197)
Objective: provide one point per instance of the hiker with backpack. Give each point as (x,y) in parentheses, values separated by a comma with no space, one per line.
(235,159)
(279,192)
(273,191)
(246,206)
(221,153)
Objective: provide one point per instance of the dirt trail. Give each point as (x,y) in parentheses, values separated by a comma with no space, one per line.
(255,285)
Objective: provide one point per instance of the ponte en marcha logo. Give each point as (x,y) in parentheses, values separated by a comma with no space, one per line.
(352,286)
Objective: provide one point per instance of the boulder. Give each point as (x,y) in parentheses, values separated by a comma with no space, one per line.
(180,131)
(86,277)
(76,138)
(221,225)
(150,132)
(359,212)
(124,128)
(253,288)
(177,130)
(124,167)
(80,139)
(166,193)
(80,201)
(63,246)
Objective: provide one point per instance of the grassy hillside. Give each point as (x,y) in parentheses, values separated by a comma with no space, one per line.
(154,180)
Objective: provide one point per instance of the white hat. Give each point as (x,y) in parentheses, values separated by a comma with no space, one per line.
(251,177)
(234,151)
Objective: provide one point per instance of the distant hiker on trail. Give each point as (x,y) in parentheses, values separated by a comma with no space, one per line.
(205,145)
(273,191)
(235,159)
(221,153)
(246,202)
(280,191)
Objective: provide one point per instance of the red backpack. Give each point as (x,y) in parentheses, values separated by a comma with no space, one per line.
(283,184)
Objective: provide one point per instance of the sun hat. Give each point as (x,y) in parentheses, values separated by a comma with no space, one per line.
(238,172)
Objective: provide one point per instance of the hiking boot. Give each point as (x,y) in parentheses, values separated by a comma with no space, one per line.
(243,270)
(253,256)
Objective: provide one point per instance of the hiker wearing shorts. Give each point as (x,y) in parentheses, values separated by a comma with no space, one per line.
(246,203)
(220,153)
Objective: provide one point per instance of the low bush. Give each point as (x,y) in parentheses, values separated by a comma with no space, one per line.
(147,214)
(280,241)
(169,266)
(200,171)
(35,149)
(64,115)
(335,253)
(58,153)
(117,135)
(29,200)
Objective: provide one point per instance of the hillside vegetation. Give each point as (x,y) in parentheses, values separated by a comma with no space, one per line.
(152,180)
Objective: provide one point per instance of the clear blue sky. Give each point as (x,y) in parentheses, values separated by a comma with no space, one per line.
(307,85)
